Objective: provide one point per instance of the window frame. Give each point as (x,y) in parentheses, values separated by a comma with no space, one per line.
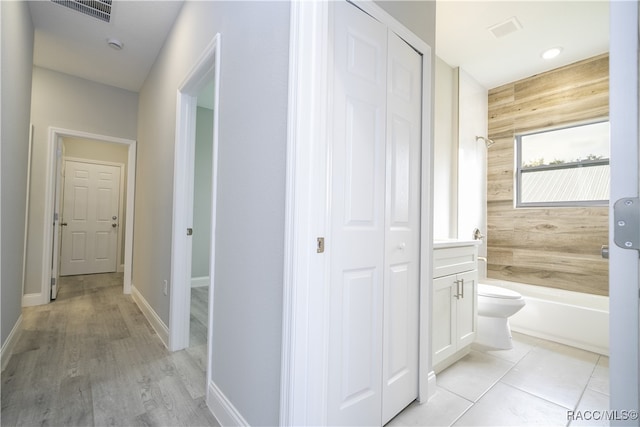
(518,171)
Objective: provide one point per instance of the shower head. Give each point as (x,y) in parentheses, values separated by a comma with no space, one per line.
(488,142)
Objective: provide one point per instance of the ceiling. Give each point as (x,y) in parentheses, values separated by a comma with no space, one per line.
(73,43)
(463,38)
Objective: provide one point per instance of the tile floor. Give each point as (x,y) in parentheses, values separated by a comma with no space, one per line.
(537,382)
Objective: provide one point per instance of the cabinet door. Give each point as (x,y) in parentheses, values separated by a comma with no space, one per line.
(467,309)
(444,318)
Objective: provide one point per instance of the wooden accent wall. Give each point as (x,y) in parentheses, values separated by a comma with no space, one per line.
(555,247)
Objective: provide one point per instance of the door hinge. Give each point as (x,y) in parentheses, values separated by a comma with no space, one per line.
(626,223)
(55,217)
(320,245)
(53,281)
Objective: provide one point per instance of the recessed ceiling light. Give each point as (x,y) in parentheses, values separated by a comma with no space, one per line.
(115,43)
(551,53)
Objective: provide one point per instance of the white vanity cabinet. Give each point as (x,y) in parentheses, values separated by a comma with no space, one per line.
(455,300)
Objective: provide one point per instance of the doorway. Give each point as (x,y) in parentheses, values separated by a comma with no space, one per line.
(53,200)
(307,300)
(202,79)
(202,203)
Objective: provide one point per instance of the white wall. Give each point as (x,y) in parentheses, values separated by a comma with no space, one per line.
(472,159)
(252,142)
(68,102)
(202,193)
(460,167)
(445,168)
(17,59)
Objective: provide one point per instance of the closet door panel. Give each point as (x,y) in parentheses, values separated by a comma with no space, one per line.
(356,241)
(402,214)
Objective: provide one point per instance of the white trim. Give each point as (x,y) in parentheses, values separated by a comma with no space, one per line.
(206,68)
(305,296)
(49,198)
(152,317)
(624,276)
(10,343)
(200,282)
(431,379)
(222,408)
(303,372)
(30,300)
(120,268)
(26,209)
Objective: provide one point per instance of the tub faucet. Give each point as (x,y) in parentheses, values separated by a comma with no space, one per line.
(477,234)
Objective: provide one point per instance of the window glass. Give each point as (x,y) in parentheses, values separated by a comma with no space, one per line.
(564,167)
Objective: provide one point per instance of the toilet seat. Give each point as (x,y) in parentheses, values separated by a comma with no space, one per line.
(497,292)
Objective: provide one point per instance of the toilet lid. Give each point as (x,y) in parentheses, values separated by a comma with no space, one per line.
(497,292)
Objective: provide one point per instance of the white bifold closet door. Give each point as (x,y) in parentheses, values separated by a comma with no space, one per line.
(375,221)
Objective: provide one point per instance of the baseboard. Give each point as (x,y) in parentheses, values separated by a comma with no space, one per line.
(222,409)
(29,300)
(152,317)
(10,343)
(120,268)
(199,282)
(431,384)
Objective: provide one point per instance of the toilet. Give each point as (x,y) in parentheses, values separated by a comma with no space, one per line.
(495,306)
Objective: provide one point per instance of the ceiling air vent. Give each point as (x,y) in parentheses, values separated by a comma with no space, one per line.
(507,27)
(100,9)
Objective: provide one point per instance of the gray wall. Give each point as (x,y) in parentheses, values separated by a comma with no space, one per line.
(202,194)
(68,102)
(17,60)
(418,16)
(252,144)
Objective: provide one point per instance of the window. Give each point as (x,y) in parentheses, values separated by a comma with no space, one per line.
(563,167)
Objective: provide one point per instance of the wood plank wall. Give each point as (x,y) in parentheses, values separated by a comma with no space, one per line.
(556,247)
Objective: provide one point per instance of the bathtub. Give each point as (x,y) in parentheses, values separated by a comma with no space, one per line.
(572,318)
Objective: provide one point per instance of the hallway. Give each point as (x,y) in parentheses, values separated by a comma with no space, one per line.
(91,359)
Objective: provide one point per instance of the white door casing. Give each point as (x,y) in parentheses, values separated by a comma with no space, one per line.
(57,229)
(624,265)
(375,213)
(91,213)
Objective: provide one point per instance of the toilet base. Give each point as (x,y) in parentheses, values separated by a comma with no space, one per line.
(494,332)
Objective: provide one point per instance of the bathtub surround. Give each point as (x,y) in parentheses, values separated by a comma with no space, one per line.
(559,247)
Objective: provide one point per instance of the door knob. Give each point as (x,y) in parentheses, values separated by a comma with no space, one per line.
(114,225)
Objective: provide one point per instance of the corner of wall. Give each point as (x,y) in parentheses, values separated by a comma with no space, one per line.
(152,317)
(10,343)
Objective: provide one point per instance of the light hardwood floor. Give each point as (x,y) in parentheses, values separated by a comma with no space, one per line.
(91,359)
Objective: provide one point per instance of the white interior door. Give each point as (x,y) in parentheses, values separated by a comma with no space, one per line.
(357,215)
(374,239)
(402,216)
(90,211)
